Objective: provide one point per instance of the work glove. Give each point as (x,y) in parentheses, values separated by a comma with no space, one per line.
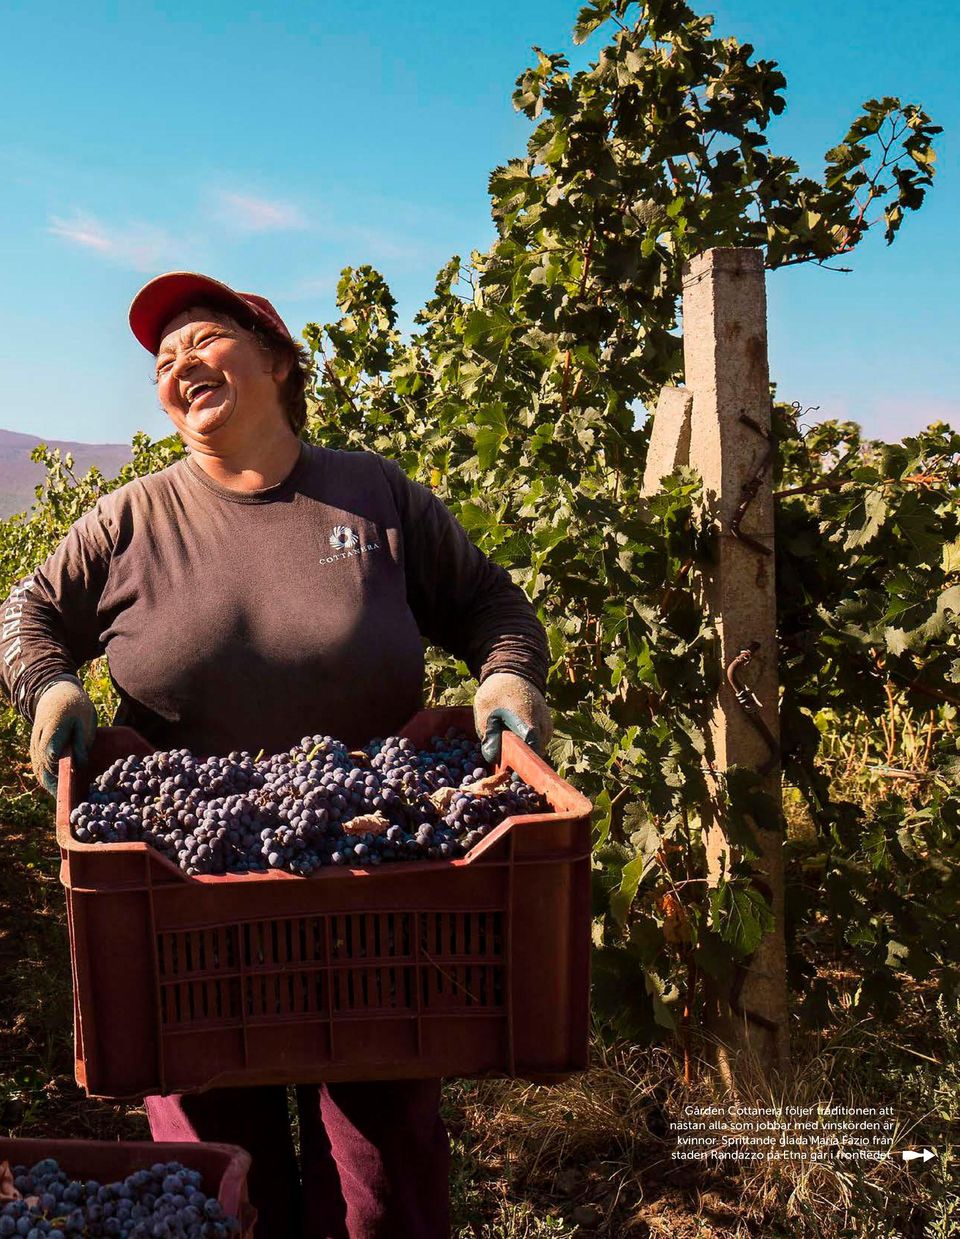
(64,718)
(507,700)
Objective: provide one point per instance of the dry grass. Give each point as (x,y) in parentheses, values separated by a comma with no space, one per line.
(868,758)
(598,1147)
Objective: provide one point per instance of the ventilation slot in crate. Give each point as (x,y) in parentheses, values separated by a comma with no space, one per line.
(273,968)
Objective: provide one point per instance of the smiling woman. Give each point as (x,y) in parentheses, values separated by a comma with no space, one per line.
(205,365)
(229,375)
(260,591)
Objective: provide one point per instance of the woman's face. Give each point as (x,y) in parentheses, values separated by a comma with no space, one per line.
(214,380)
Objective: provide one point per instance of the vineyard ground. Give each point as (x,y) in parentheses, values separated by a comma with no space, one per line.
(587,1158)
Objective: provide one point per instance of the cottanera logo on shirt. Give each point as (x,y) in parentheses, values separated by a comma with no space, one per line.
(344,538)
(347,543)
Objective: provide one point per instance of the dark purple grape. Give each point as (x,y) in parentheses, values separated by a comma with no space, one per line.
(292,811)
(166,1199)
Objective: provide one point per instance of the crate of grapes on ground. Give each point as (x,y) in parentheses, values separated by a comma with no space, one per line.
(396,911)
(100,1187)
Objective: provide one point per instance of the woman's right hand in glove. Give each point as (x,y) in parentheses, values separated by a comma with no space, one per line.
(64,718)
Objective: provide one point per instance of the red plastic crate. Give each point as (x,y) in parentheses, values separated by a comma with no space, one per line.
(224,1166)
(474,966)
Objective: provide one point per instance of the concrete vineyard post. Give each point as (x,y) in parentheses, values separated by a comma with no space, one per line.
(725,362)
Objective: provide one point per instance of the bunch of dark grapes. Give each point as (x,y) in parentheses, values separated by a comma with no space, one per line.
(306,808)
(166,1200)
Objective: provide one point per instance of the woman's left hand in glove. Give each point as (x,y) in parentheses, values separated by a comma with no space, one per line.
(505,699)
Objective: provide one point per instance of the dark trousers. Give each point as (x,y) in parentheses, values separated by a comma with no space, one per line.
(375,1157)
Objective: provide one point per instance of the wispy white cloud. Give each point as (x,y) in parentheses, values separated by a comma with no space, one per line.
(248,213)
(308,287)
(389,246)
(893,417)
(232,217)
(890,417)
(135,245)
(357,242)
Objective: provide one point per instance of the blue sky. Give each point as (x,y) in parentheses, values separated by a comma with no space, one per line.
(272,145)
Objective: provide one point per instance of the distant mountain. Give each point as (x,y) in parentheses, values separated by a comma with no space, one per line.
(19,475)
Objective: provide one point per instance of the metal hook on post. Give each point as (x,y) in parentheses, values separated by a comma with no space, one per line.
(751,706)
(749,488)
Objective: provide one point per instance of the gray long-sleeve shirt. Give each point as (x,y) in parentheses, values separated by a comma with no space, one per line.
(246,620)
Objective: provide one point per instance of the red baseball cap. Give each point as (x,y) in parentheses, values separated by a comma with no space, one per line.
(169,295)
